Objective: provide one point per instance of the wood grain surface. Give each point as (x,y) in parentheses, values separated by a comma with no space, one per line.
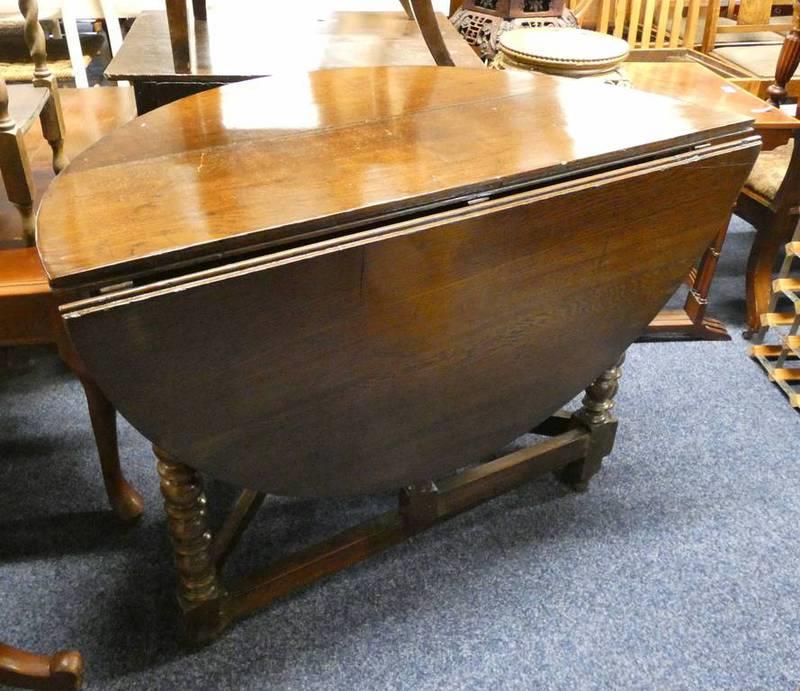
(296,37)
(274,160)
(370,362)
(695,83)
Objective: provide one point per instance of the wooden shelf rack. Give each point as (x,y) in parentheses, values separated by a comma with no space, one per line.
(781,358)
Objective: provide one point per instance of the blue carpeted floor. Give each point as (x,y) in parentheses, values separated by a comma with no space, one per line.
(677,570)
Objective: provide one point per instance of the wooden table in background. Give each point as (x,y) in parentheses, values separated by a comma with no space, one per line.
(229,50)
(690,76)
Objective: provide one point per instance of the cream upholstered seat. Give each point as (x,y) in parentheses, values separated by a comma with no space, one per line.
(723,39)
(770,170)
(759,60)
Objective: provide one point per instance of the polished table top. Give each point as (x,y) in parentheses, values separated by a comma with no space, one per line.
(269,38)
(695,83)
(214,175)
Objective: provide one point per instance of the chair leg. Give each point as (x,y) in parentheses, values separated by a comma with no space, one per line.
(124,499)
(14,166)
(62,671)
(200,10)
(53,128)
(426,19)
(760,263)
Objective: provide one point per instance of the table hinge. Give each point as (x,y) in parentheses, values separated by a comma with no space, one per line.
(116,287)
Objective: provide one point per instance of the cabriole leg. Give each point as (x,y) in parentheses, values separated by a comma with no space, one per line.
(124,499)
(62,671)
(200,592)
(595,414)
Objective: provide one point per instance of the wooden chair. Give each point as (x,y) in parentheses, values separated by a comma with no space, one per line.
(27,102)
(28,315)
(648,23)
(683,23)
(770,198)
(27,309)
(749,40)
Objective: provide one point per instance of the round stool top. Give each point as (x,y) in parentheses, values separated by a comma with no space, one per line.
(561,50)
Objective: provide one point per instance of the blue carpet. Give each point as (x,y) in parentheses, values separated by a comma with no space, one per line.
(677,570)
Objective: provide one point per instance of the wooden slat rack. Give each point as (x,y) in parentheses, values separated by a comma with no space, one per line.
(781,358)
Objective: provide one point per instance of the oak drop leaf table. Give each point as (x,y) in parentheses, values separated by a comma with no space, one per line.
(378,284)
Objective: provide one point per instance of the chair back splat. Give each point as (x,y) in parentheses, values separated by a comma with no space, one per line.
(650,23)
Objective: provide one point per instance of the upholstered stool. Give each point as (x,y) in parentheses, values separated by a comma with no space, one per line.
(770,170)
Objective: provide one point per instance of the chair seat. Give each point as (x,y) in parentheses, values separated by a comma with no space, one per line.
(25,102)
(758,60)
(769,170)
(724,39)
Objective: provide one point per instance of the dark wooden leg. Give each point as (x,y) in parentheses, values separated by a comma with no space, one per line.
(692,321)
(788,60)
(199,7)
(407,8)
(697,299)
(59,672)
(575,449)
(124,499)
(180,17)
(758,277)
(426,19)
(15,168)
(200,593)
(595,414)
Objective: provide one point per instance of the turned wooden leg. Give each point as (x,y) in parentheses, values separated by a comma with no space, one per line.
(760,264)
(788,59)
(200,593)
(124,499)
(595,414)
(15,168)
(59,672)
(426,19)
(696,303)
(53,129)
(51,117)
